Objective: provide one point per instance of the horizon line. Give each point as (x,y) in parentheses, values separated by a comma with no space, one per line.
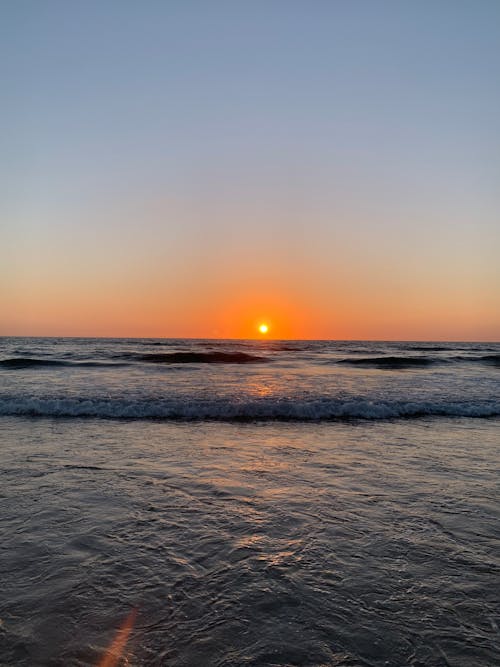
(263,339)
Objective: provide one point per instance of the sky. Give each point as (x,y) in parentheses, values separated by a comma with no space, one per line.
(193,169)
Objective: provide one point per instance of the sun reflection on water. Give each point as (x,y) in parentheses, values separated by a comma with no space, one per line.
(115,650)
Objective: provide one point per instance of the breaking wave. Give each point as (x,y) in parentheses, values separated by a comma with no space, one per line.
(321,409)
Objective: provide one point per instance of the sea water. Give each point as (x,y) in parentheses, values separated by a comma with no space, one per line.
(253,503)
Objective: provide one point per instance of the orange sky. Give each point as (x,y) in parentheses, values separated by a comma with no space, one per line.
(219,271)
(342,301)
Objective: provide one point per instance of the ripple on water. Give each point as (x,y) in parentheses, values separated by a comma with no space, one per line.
(251,545)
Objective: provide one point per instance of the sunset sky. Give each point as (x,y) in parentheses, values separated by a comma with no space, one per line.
(194,169)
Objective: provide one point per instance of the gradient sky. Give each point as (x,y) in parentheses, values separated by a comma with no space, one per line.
(183,168)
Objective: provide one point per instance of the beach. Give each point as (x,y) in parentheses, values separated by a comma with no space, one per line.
(249,334)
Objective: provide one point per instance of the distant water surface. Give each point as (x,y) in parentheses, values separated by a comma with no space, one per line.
(247,380)
(256,502)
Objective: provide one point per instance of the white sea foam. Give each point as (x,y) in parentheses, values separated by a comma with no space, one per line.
(250,410)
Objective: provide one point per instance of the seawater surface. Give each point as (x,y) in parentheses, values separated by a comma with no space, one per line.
(251,503)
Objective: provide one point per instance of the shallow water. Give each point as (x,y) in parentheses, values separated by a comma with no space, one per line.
(346,543)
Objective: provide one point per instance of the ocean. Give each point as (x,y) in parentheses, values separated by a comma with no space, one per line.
(221,502)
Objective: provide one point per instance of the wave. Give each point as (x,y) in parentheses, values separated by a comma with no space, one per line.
(396,363)
(28,362)
(119,360)
(489,359)
(392,362)
(17,363)
(244,411)
(492,359)
(200,358)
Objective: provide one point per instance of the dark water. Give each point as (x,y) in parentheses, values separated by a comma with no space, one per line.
(320,505)
(247,380)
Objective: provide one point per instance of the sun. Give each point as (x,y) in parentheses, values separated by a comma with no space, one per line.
(263,328)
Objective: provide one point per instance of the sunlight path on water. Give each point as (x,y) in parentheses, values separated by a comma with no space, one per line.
(115,650)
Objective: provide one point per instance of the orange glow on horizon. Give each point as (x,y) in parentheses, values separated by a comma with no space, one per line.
(235,309)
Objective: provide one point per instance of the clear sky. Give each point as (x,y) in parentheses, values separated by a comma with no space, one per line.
(192,168)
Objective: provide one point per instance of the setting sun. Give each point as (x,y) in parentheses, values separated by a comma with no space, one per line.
(263,328)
